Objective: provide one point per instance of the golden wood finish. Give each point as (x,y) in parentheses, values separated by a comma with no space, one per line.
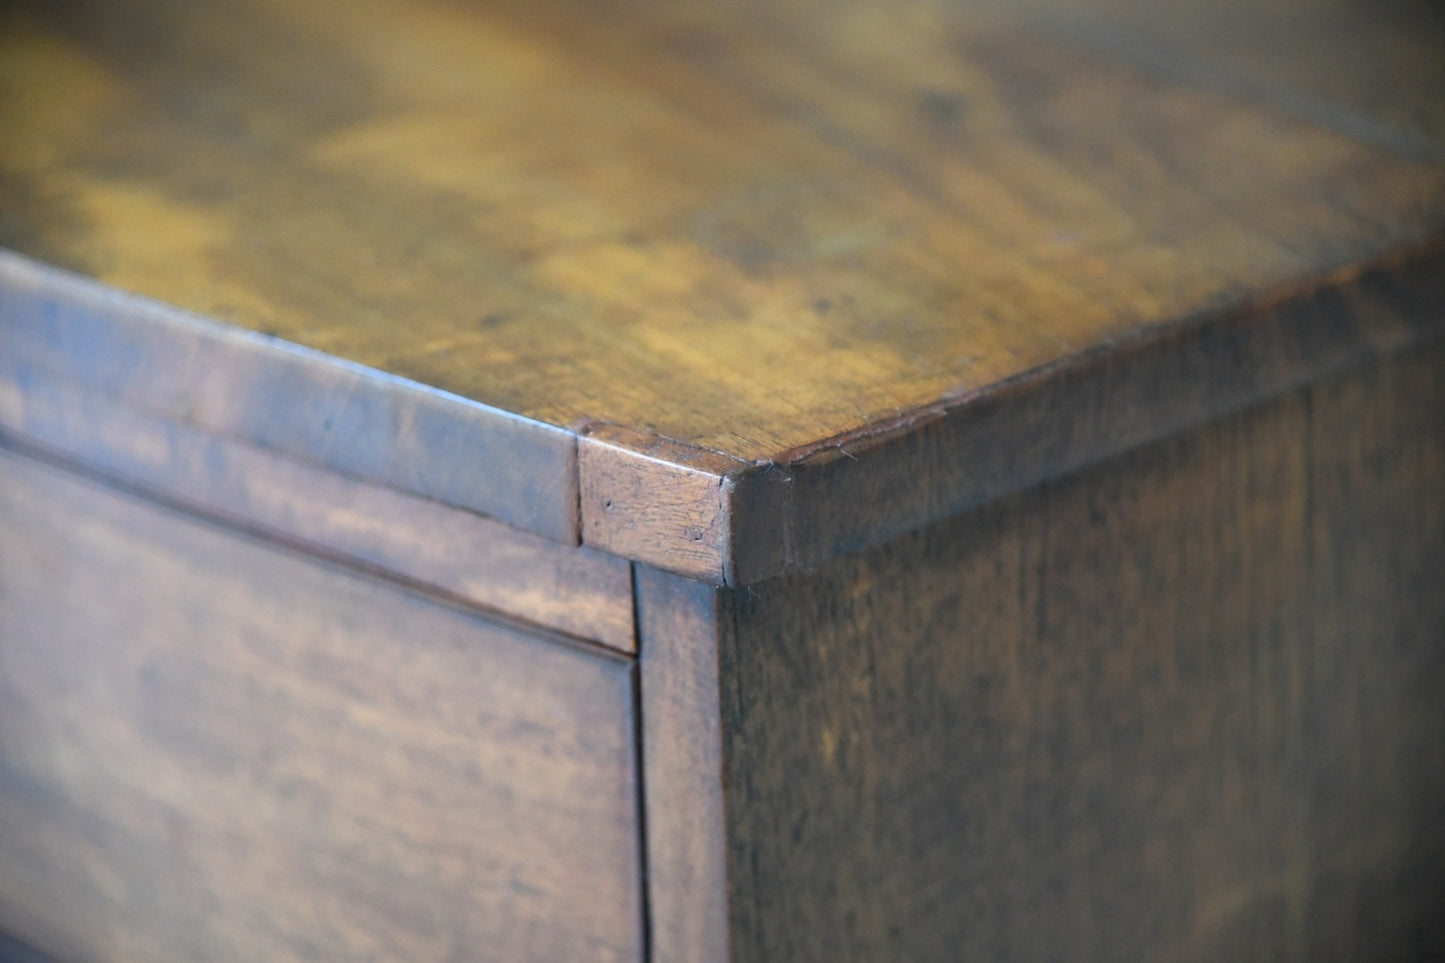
(761,231)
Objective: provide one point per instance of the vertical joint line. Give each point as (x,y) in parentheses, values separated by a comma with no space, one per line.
(639,764)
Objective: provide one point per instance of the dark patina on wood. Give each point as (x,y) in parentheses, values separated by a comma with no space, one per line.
(1181,705)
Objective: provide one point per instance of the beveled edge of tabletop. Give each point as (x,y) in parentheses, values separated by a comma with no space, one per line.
(714,518)
(694,512)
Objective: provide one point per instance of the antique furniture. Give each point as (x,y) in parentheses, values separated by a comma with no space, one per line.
(698,481)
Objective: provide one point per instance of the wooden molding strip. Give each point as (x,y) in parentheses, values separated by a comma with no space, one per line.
(177,366)
(685,813)
(463,555)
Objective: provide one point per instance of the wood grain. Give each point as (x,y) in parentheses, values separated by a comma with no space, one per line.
(1378,566)
(682,765)
(459,554)
(1183,705)
(706,516)
(178,367)
(749,229)
(1372,72)
(214,749)
(644,497)
(853,492)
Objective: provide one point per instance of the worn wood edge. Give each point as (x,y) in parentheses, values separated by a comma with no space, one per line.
(684,818)
(858,490)
(705,514)
(468,558)
(359,421)
(711,517)
(657,501)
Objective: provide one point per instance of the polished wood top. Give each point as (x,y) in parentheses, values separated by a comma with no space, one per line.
(755,232)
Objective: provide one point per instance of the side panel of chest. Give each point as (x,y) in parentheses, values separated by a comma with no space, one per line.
(1184,705)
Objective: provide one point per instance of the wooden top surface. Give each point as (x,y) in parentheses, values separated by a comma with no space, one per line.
(751,230)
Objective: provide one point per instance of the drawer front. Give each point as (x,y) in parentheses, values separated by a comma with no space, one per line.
(212,748)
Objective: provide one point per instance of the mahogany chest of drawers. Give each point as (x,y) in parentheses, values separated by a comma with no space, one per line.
(701,482)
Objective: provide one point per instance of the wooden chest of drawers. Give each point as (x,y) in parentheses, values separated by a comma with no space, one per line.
(700,482)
